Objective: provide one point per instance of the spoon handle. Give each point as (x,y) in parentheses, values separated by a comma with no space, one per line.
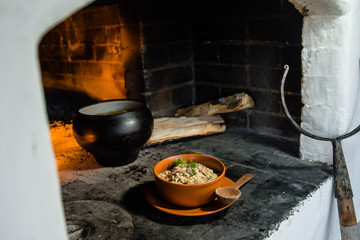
(244,179)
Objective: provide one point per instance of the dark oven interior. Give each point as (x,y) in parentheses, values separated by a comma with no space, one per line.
(173,54)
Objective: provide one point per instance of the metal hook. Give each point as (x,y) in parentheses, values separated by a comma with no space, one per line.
(303,131)
(343,191)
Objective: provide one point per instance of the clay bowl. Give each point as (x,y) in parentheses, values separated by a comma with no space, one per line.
(189,195)
(113,131)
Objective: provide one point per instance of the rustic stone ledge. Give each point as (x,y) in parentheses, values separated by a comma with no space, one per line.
(281,183)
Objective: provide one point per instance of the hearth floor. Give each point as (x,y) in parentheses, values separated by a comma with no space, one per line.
(110,203)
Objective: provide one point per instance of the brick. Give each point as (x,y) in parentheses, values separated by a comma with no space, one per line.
(104,15)
(221,74)
(219,31)
(235,54)
(283,30)
(128,12)
(236,119)
(264,55)
(292,56)
(53,81)
(130,37)
(68,68)
(81,19)
(130,58)
(180,51)
(206,93)
(155,56)
(206,52)
(268,78)
(266,101)
(112,35)
(62,105)
(108,53)
(101,35)
(166,33)
(117,71)
(293,102)
(168,77)
(183,96)
(162,11)
(293,80)
(232,30)
(91,35)
(53,52)
(82,53)
(134,83)
(234,9)
(91,69)
(74,37)
(224,91)
(204,31)
(159,101)
(203,10)
(272,125)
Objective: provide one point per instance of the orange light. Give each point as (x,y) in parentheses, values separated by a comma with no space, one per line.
(69,155)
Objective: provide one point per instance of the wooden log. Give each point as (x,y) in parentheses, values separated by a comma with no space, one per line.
(70,156)
(236,102)
(181,127)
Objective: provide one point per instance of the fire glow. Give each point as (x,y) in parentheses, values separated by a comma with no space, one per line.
(89,55)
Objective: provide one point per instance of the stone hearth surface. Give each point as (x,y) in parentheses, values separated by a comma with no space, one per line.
(110,203)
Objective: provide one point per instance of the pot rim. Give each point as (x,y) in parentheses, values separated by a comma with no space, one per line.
(97,105)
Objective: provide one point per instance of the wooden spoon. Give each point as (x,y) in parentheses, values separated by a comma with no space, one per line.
(230,194)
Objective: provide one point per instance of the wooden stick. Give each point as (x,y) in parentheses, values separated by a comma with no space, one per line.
(236,102)
(346,212)
(181,127)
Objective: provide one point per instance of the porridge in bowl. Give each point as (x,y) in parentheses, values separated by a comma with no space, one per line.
(188,173)
(186,194)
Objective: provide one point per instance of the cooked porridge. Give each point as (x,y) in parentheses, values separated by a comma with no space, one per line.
(188,173)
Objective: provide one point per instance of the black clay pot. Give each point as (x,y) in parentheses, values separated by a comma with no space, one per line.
(113,131)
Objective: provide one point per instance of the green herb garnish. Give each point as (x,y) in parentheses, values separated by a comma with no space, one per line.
(191,164)
(180,161)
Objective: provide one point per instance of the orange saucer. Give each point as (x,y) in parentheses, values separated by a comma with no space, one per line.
(156,201)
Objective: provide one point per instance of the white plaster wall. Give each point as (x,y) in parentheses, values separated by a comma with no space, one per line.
(330,89)
(330,93)
(351,145)
(314,219)
(330,75)
(30,202)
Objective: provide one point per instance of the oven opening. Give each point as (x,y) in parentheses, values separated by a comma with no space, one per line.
(171,55)
(189,54)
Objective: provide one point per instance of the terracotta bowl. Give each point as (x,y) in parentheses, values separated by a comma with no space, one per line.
(113,131)
(189,195)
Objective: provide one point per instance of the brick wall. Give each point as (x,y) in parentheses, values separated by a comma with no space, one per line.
(242,46)
(93,52)
(214,48)
(168,55)
(175,53)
